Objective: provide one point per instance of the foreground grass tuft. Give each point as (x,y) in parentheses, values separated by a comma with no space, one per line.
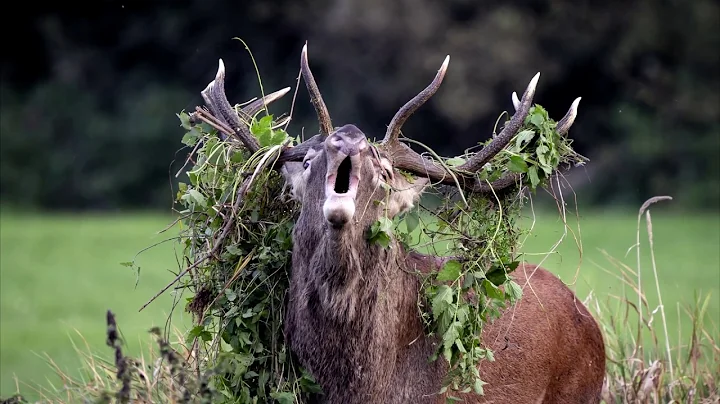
(164,374)
(658,372)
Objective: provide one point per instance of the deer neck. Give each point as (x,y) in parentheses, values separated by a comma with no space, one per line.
(359,302)
(349,273)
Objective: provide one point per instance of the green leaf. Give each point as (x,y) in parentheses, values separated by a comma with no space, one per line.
(283,397)
(262,129)
(468,281)
(412,220)
(235,250)
(496,275)
(492,291)
(450,271)
(447,353)
(195,332)
(265,138)
(460,346)
(193,177)
(523,138)
(517,164)
(462,313)
(380,232)
(191,137)
(542,154)
(478,386)
(261,125)
(431,201)
(386,224)
(450,337)
(537,119)
(533,174)
(128,264)
(184,120)
(230,295)
(455,161)
(197,197)
(514,291)
(382,239)
(237,157)
(278,137)
(442,300)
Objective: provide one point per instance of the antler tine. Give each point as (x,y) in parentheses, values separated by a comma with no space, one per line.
(315,96)
(256,106)
(498,143)
(217,102)
(566,122)
(393,130)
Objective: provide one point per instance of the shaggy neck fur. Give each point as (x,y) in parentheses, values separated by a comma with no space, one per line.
(352,318)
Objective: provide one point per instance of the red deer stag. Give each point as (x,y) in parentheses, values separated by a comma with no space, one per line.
(352,317)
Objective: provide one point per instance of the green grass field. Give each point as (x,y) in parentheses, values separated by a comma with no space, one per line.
(62,272)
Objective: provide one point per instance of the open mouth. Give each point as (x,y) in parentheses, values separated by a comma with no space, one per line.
(341,184)
(342,181)
(342,177)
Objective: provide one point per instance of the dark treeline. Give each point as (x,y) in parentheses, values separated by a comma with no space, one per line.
(90,90)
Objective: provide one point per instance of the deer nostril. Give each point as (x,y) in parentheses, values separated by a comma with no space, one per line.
(347,145)
(337,142)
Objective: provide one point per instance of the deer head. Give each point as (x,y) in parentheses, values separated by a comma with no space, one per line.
(352,182)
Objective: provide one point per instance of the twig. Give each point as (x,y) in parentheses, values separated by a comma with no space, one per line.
(657,286)
(643,208)
(207,117)
(292,104)
(213,251)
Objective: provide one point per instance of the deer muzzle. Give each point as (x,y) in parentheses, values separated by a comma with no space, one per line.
(341,184)
(344,149)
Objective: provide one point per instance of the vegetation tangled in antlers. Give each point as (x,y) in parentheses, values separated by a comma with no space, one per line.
(238,220)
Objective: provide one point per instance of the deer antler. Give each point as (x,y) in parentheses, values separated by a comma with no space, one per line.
(225,118)
(322,112)
(407,159)
(238,122)
(393,130)
(563,126)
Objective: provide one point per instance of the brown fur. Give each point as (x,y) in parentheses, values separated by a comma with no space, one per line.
(353,322)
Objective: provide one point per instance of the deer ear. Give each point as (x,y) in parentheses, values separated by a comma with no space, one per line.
(405,193)
(293,173)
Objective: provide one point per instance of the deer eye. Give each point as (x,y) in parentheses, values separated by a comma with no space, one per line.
(306,164)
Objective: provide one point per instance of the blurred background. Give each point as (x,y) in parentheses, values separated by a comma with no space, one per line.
(89,135)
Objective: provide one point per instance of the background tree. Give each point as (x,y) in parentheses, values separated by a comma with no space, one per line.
(89,91)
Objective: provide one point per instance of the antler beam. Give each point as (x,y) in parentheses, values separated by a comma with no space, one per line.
(407,159)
